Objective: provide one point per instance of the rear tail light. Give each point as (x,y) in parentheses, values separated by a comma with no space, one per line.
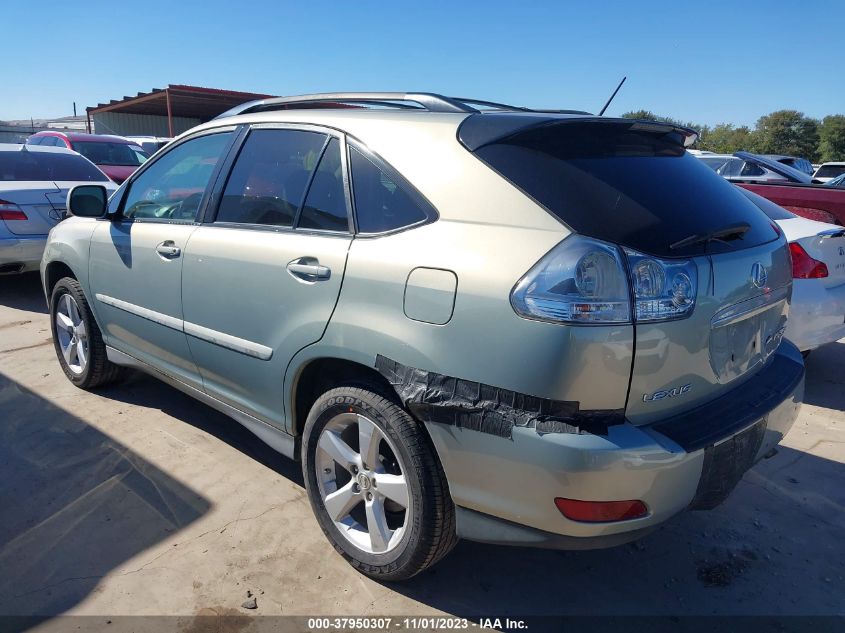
(664,289)
(804,266)
(600,511)
(11,211)
(584,280)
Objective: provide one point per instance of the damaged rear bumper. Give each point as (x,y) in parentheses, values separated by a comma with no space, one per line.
(505,483)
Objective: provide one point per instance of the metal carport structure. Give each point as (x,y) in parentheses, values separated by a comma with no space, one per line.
(164,111)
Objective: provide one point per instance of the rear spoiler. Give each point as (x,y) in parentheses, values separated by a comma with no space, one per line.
(481,129)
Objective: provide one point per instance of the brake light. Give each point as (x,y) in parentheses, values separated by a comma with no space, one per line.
(804,266)
(584,280)
(11,211)
(600,511)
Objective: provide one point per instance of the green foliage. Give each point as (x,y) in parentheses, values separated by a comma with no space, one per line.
(788,132)
(832,138)
(782,132)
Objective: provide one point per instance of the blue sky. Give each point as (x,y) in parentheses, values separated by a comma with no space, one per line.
(707,61)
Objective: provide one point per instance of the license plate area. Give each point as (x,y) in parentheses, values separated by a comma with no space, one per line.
(744,335)
(725,464)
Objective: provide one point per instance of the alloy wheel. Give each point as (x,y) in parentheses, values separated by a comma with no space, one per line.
(72,334)
(362,483)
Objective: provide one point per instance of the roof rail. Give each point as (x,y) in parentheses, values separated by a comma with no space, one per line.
(424,100)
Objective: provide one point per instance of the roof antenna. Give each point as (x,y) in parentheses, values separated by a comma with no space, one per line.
(611,96)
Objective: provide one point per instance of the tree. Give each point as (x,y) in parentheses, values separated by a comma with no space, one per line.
(832,138)
(724,138)
(788,132)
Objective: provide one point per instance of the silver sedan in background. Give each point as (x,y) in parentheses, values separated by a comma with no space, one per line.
(34,182)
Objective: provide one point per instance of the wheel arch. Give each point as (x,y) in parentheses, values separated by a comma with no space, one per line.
(53,272)
(317,375)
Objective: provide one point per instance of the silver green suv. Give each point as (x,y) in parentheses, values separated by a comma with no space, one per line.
(465,319)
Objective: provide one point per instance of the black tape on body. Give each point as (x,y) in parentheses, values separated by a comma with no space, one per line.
(466,404)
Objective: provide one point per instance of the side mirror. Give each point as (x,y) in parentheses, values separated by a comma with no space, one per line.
(88,201)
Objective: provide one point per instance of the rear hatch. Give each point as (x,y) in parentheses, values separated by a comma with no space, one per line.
(632,184)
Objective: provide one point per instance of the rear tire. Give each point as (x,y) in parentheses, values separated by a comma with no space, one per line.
(388,533)
(77,339)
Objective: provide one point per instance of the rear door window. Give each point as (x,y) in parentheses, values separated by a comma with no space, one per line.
(383,202)
(625,184)
(325,204)
(268,183)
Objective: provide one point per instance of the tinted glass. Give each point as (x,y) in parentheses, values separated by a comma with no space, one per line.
(34,140)
(59,142)
(49,141)
(750,169)
(325,204)
(774,211)
(713,163)
(626,185)
(268,182)
(35,165)
(173,186)
(382,204)
(105,153)
(830,171)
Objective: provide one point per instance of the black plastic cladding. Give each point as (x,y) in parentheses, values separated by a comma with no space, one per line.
(465,404)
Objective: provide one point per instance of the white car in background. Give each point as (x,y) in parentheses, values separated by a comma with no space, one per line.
(150,144)
(829,171)
(817,312)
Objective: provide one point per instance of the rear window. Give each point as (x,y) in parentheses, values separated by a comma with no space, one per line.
(629,186)
(105,153)
(830,171)
(35,165)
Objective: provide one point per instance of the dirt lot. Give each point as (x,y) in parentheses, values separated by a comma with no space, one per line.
(139,500)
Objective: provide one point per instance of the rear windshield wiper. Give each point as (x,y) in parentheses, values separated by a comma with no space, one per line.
(730,232)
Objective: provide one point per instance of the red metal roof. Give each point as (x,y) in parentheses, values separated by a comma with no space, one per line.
(184,101)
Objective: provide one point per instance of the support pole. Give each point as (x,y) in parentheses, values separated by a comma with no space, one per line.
(169,113)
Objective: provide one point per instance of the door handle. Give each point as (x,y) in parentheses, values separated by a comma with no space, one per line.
(168,249)
(309,269)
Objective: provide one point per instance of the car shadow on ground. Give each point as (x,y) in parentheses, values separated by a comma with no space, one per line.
(825,386)
(23,292)
(74,504)
(146,391)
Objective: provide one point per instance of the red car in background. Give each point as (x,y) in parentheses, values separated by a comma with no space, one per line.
(114,155)
(797,192)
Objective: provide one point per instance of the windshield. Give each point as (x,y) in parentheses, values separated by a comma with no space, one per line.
(839,181)
(630,186)
(713,162)
(830,171)
(39,165)
(106,153)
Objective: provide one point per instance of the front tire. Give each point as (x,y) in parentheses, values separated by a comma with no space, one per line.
(77,338)
(375,484)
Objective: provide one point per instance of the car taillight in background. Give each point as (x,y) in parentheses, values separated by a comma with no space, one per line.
(584,280)
(11,211)
(804,266)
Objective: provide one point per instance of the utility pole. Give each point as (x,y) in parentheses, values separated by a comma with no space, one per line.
(74,109)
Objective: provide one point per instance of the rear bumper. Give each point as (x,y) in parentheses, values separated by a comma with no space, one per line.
(816,315)
(505,487)
(26,251)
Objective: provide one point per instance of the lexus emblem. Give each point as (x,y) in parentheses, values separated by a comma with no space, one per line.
(759,277)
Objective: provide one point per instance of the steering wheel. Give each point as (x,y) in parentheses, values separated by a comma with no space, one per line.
(187,208)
